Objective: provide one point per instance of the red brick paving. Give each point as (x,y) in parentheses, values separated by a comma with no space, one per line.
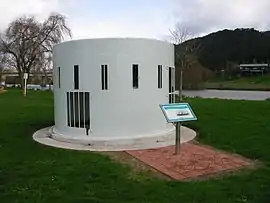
(193,160)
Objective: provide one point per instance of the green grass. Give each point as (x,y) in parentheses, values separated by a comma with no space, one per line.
(31,172)
(244,83)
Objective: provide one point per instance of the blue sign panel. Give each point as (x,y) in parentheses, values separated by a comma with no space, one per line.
(178,112)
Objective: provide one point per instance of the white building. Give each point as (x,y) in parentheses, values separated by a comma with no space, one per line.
(260,68)
(107,92)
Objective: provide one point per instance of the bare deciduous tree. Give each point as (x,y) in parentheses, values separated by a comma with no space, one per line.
(186,54)
(2,66)
(2,62)
(26,43)
(180,34)
(44,67)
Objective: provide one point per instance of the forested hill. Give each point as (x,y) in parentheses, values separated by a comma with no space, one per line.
(239,46)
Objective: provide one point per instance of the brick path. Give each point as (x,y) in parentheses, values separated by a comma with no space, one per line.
(193,161)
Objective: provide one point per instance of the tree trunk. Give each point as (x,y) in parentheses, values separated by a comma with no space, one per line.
(1,79)
(21,75)
(45,79)
(21,80)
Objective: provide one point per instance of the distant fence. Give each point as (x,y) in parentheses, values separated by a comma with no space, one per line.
(32,87)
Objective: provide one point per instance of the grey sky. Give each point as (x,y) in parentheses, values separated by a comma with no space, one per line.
(143,18)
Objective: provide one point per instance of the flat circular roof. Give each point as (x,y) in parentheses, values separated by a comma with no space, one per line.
(113,39)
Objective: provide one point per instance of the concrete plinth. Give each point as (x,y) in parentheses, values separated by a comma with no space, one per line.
(47,137)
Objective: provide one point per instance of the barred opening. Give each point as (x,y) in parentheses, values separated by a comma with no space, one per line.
(78,109)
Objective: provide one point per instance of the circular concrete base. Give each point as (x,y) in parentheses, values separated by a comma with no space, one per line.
(47,137)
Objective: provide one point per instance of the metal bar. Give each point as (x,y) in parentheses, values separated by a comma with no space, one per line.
(90,113)
(173,79)
(79,110)
(76,109)
(68,109)
(178,138)
(84,109)
(74,117)
(87,110)
(170,84)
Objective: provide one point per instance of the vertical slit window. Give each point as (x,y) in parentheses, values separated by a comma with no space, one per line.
(104,77)
(135,76)
(59,78)
(159,76)
(76,77)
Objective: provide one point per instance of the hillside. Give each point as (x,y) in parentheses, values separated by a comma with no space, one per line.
(239,46)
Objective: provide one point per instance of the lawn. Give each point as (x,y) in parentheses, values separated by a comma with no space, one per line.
(244,83)
(31,172)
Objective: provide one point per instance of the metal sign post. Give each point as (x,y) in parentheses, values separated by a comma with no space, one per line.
(25,77)
(177,113)
(178,137)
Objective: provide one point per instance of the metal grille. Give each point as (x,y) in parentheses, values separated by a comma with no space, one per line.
(78,110)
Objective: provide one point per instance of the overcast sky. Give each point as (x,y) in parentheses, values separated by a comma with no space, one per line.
(143,18)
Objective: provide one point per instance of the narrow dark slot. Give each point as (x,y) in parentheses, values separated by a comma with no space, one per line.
(76,77)
(106,76)
(102,77)
(135,76)
(159,76)
(59,77)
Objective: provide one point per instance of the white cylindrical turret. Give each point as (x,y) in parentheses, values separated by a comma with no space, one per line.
(109,90)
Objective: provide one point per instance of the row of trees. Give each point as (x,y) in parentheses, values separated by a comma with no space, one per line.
(26,44)
(245,45)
